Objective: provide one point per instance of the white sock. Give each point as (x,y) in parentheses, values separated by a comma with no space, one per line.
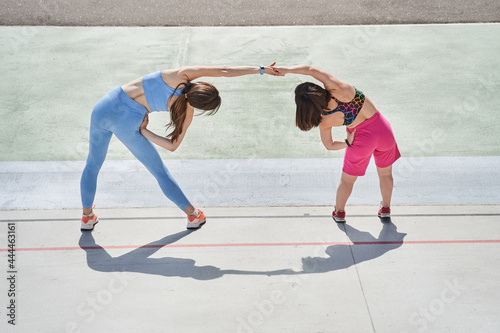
(91,214)
(195,213)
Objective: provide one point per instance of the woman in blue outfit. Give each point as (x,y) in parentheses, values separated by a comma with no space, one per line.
(124,113)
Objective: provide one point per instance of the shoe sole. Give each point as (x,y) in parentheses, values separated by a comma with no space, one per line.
(384,215)
(338,219)
(198,226)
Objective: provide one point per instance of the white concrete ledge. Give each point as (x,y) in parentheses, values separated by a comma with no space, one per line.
(258,182)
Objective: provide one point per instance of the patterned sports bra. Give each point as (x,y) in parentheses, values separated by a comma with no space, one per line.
(349,109)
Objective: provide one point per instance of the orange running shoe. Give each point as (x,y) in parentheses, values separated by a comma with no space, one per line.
(195,222)
(88,222)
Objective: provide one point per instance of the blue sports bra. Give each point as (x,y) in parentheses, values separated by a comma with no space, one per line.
(349,109)
(157,92)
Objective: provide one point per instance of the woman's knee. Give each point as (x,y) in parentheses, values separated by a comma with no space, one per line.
(347,179)
(385,172)
(94,162)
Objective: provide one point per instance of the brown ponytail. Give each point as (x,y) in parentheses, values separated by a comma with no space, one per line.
(200,95)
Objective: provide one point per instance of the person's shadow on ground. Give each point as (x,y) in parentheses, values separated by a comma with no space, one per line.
(365,247)
(139,261)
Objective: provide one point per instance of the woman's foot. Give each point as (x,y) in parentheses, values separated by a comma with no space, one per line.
(88,221)
(338,216)
(384,211)
(196,221)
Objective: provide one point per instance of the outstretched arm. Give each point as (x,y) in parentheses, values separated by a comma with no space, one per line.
(329,81)
(194,72)
(164,142)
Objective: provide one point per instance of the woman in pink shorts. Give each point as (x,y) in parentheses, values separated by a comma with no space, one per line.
(338,104)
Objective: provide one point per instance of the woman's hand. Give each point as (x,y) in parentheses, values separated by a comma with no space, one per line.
(144,123)
(350,136)
(279,70)
(270,69)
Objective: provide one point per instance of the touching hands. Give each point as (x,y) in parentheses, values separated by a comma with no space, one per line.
(269,69)
(279,70)
(276,70)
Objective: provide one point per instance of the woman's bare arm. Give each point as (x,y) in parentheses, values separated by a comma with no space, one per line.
(329,143)
(329,81)
(194,72)
(162,141)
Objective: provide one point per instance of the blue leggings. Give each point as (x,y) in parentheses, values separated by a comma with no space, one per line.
(116,113)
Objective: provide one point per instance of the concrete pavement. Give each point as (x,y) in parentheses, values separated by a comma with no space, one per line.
(256,269)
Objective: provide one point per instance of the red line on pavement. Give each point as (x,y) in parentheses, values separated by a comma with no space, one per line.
(70,248)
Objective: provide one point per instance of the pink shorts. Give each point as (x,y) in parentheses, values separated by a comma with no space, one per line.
(373,137)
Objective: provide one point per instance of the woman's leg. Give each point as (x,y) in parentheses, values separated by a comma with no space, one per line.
(125,127)
(386,184)
(147,154)
(98,148)
(385,155)
(344,190)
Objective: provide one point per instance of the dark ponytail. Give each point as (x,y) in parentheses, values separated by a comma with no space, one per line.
(178,113)
(200,95)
